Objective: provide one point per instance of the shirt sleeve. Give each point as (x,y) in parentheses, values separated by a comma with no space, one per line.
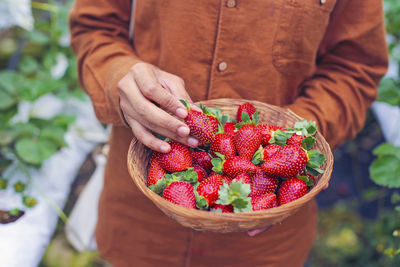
(352,59)
(99,37)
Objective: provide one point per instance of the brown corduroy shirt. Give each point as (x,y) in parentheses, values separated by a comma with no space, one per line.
(322,59)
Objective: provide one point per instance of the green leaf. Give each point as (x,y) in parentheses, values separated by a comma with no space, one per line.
(314,171)
(6,116)
(63,120)
(217,165)
(236,194)
(258,156)
(316,159)
(280,137)
(189,176)
(224,119)
(28,65)
(15,212)
(11,81)
(16,131)
(385,171)
(395,198)
(38,37)
(308,142)
(3,183)
(159,187)
(38,88)
(308,128)
(19,187)
(389,91)
(6,100)
(28,201)
(35,151)
(387,149)
(245,117)
(256,117)
(54,133)
(201,202)
(306,179)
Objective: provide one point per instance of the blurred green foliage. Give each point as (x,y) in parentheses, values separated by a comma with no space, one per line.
(345,239)
(34,64)
(389,88)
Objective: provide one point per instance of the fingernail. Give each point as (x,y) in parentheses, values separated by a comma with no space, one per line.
(165,148)
(193,142)
(181,112)
(183,131)
(196,107)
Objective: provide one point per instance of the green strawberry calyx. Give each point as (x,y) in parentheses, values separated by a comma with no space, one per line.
(306,179)
(189,176)
(216,113)
(304,128)
(314,163)
(258,157)
(280,137)
(201,202)
(218,163)
(186,104)
(236,194)
(246,119)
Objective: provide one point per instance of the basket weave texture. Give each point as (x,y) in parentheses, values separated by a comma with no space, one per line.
(138,163)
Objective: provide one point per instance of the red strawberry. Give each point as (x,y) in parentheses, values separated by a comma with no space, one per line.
(264,202)
(267,132)
(262,183)
(209,188)
(201,125)
(223,208)
(156,172)
(287,162)
(270,150)
(223,143)
(178,159)
(180,193)
(247,140)
(237,165)
(244,178)
(246,107)
(226,179)
(291,189)
(202,159)
(201,173)
(295,139)
(229,128)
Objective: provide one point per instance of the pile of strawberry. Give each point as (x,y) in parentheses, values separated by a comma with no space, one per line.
(239,166)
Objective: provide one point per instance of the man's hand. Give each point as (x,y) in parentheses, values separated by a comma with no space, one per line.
(139,90)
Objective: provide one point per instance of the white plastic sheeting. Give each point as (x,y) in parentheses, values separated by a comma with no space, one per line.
(389,119)
(16,12)
(83,218)
(23,242)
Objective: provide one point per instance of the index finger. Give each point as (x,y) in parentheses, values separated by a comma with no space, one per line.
(152,89)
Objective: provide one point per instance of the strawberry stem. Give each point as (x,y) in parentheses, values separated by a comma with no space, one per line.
(186,104)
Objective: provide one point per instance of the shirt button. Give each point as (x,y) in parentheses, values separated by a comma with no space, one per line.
(222,66)
(322,2)
(230,3)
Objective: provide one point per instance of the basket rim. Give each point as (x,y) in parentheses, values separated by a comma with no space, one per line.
(242,216)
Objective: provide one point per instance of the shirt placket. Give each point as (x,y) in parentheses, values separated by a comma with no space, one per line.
(220,64)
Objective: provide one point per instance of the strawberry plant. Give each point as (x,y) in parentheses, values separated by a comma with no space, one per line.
(42,65)
(385,168)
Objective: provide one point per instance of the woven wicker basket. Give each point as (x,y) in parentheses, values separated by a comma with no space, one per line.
(138,161)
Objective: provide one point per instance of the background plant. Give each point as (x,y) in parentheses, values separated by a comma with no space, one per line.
(34,64)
